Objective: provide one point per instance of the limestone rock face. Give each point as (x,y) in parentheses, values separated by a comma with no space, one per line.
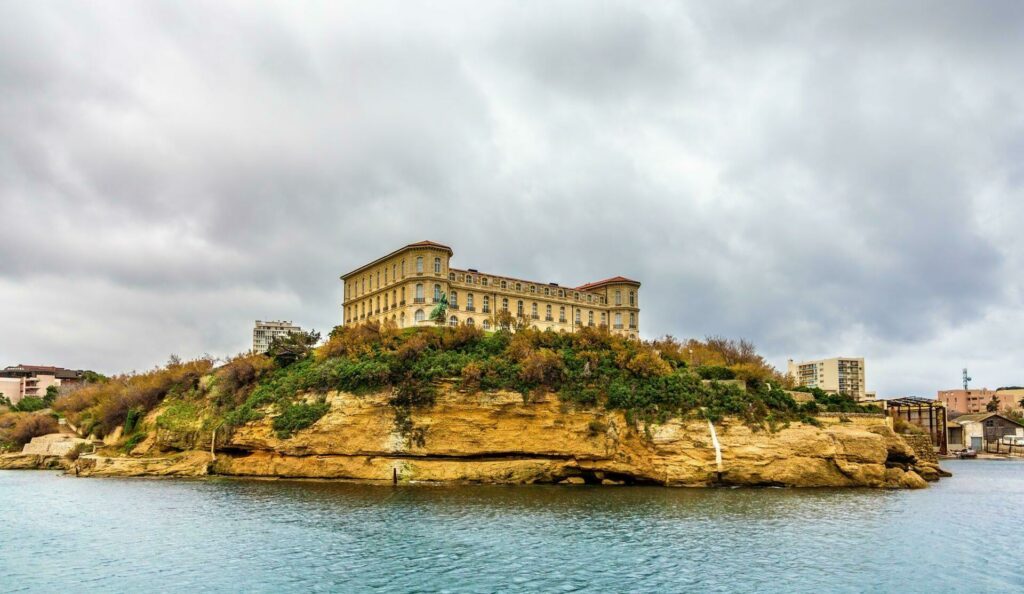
(497,438)
(192,463)
(22,461)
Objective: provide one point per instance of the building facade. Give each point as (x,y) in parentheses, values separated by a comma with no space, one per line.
(981,431)
(838,374)
(403,287)
(976,401)
(266,331)
(20,381)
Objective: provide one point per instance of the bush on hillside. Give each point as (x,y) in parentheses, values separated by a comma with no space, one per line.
(17,429)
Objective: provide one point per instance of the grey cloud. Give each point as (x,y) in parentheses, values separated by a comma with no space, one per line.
(822,179)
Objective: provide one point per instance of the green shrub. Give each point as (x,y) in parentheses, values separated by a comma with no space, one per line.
(296,416)
(133,441)
(30,404)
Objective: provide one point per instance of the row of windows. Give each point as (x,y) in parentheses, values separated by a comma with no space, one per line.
(359,287)
(548,291)
(366,308)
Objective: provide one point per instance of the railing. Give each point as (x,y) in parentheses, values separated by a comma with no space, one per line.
(419,300)
(535,316)
(486,310)
(549,319)
(470,308)
(617,326)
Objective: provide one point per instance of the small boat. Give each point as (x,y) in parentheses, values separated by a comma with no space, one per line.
(968,453)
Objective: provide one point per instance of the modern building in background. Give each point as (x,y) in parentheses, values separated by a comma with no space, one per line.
(20,381)
(976,400)
(838,374)
(266,331)
(404,285)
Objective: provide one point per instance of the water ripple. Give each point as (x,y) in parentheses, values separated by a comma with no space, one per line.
(97,535)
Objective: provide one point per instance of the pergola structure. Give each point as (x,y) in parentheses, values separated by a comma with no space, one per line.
(929,415)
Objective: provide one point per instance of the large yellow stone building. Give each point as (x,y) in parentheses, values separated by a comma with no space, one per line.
(404,285)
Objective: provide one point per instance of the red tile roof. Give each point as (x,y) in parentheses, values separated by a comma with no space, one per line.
(607,281)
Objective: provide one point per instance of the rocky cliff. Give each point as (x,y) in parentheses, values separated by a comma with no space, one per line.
(497,438)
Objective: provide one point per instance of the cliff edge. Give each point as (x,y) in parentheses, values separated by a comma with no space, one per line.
(496,437)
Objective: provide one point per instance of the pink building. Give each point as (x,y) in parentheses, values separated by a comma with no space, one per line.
(976,401)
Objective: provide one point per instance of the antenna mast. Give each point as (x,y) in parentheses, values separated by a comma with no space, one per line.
(967,379)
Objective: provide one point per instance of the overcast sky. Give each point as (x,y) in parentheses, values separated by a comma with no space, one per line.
(821,178)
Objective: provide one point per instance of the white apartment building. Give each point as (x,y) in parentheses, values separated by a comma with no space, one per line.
(838,374)
(266,331)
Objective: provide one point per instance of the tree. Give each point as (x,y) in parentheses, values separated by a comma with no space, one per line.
(52,392)
(291,347)
(4,401)
(993,405)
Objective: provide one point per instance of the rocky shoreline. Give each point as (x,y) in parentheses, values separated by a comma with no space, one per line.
(497,438)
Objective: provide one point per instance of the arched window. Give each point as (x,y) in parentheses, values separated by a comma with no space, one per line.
(486,324)
(590,298)
(437,292)
(604,320)
(533,289)
(437,265)
(454,299)
(618,297)
(451,276)
(453,321)
(632,299)
(469,301)
(577,316)
(483,281)
(533,310)
(394,297)
(418,316)
(419,292)
(547,291)
(403,268)
(470,322)
(519,286)
(618,320)
(385,300)
(590,318)
(519,308)
(419,264)
(469,278)
(378,303)
(362,308)
(403,295)
(401,320)
(632,320)
(547,312)
(487,304)
(561,314)
(504,303)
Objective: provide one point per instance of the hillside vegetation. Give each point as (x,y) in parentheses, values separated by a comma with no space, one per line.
(649,381)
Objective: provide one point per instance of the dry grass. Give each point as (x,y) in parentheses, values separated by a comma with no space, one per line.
(17,429)
(101,407)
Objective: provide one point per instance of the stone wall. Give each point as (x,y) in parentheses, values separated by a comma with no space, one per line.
(922,446)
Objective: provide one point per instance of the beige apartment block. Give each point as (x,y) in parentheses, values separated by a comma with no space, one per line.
(404,285)
(20,381)
(838,374)
(266,331)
